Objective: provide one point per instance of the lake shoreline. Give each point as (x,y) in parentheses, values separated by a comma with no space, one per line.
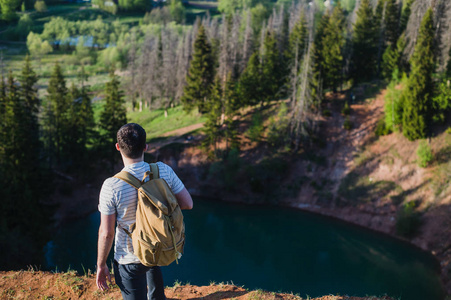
(354,217)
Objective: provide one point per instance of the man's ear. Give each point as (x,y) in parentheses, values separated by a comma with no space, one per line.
(147,148)
(117,147)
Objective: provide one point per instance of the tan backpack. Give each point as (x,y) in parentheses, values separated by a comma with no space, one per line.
(158,236)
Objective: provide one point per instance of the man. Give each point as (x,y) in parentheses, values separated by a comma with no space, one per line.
(117,204)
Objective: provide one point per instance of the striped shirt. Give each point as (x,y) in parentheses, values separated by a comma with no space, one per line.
(118,197)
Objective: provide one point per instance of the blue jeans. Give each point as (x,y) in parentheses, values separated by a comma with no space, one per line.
(138,282)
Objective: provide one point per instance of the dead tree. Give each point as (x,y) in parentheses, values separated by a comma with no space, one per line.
(419,9)
(305,102)
(442,15)
(248,47)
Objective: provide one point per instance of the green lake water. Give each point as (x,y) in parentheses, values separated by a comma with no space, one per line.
(275,249)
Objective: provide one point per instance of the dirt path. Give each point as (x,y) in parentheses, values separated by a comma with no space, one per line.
(184,130)
(343,144)
(175,137)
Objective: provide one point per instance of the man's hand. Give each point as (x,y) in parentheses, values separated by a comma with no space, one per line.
(106,237)
(103,277)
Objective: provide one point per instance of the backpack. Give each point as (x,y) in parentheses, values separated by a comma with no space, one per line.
(158,236)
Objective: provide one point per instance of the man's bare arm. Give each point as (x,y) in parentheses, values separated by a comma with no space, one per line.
(106,238)
(184,199)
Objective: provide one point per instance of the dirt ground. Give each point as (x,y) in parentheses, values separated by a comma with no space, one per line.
(45,285)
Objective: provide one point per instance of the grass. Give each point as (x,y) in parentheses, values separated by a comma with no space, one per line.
(362,158)
(14,57)
(155,123)
(441,179)
(363,189)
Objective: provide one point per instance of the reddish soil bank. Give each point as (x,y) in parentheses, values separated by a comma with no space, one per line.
(46,285)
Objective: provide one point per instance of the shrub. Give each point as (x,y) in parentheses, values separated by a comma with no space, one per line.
(37,46)
(232,167)
(327,113)
(407,220)
(24,26)
(346,109)
(40,6)
(424,154)
(158,15)
(393,107)
(255,131)
(382,129)
(278,129)
(266,177)
(347,124)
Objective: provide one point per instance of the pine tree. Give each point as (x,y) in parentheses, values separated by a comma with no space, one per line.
(297,42)
(392,59)
(231,103)
(28,80)
(56,116)
(13,134)
(23,217)
(76,128)
(81,120)
(212,126)
(31,102)
(364,44)
(390,62)
(200,75)
(386,29)
(114,114)
(261,80)
(331,45)
(391,22)
(272,76)
(417,96)
(448,66)
(250,87)
(379,12)
(319,52)
(3,114)
(405,15)
(295,53)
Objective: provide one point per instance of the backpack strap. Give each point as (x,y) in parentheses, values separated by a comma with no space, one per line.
(154,173)
(129,178)
(155,170)
(134,182)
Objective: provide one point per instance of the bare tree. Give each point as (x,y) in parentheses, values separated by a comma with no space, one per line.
(224,54)
(170,42)
(247,42)
(305,104)
(381,43)
(183,59)
(234,43)
(442,14)
(131,85)
(419,8)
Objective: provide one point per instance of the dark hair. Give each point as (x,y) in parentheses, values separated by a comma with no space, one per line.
(132,140)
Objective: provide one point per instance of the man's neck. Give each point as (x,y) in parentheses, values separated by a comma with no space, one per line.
(130,161)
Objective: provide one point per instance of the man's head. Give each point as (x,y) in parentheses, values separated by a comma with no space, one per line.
(131,139)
